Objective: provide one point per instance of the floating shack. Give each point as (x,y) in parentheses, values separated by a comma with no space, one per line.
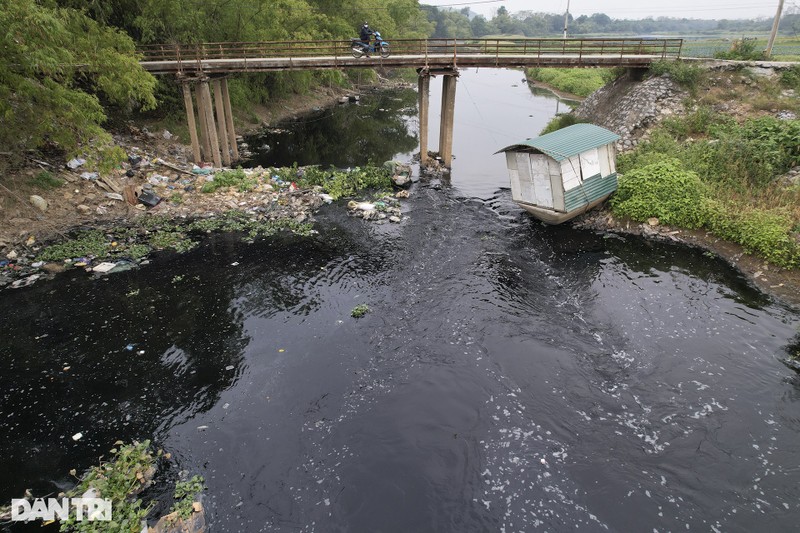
(563,174)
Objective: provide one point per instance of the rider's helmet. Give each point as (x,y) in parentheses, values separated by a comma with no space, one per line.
(366,25)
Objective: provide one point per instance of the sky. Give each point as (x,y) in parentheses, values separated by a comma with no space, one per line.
(630,9)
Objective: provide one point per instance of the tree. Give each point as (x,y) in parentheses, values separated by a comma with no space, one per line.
(55,66)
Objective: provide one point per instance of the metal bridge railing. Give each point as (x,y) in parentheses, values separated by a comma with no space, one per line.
(530,48)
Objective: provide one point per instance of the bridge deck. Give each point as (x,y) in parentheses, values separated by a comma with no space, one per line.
(219,66)
(226,58)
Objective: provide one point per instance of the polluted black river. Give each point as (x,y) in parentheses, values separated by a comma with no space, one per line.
(508,376)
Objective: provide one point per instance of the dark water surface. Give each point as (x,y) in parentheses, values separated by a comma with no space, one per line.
(509,377)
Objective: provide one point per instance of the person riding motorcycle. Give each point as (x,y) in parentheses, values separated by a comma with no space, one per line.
(366,34)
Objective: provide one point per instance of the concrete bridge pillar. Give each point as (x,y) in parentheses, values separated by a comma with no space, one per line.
(226,99)
(424,85)
(214,134)
(187,101)
(222,123)
(448,115)
(211,128)
(202,119)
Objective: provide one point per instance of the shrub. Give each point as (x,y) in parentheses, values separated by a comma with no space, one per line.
(767,233)
(741,49)
(791,78)
(85,244)
(560,121)
(686,74)
(663,190)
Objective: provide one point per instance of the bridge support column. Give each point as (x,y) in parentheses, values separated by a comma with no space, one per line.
(226,99)
(222,132)
(187,101)
(201,117)
(448,114)
(424,85)
(213,140)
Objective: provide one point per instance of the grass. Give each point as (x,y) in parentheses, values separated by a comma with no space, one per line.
(577,81)
(46,181)
(230,178)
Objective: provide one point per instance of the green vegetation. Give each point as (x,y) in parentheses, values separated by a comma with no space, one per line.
(185,493)
(663,190)
(560,121)
(743,50)
(577,81)
(160,232)
(724,179)
(56,64)
(344,183)
(119,479)
(359,310)
(45,180)
(85,244)
(230,178)
(686,74)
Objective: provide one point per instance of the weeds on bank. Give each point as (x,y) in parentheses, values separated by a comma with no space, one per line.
(45,180)
(230,178)
(577,81)
(725,179)
(185,493)
(119,479)
(345,183)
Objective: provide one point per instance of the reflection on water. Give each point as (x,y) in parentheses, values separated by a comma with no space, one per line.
(377,128)
(509,377)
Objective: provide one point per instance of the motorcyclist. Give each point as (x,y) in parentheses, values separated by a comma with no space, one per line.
(366,34)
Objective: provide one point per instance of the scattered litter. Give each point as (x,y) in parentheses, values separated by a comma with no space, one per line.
(104,267)
(235,263)
(362,206)
(149,199)
(25,282)
(90,175)
(37,264)
(226,406)
(229,367)
(72,164)
(115,196)
(203,171)
(77,436)
(202,428)
(327,198)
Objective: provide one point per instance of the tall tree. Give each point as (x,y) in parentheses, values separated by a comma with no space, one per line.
(55,66)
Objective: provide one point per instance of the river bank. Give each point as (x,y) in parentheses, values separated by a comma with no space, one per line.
(164,168)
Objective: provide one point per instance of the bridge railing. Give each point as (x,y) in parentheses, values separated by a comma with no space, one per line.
(579,48)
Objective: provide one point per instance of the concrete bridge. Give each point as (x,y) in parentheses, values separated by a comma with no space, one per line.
(206,65)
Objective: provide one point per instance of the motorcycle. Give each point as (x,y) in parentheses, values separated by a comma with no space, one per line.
(359,48)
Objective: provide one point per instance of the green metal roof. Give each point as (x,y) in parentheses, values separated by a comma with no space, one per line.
(567,142)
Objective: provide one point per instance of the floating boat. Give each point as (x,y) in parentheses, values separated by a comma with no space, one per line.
(563,174)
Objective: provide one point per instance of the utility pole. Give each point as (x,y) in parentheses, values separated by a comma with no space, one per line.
(775,24)
(566,19)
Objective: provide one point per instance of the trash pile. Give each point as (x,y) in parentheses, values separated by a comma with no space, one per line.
(146,185)
(385,208)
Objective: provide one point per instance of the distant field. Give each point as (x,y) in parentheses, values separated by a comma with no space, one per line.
(784,49)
